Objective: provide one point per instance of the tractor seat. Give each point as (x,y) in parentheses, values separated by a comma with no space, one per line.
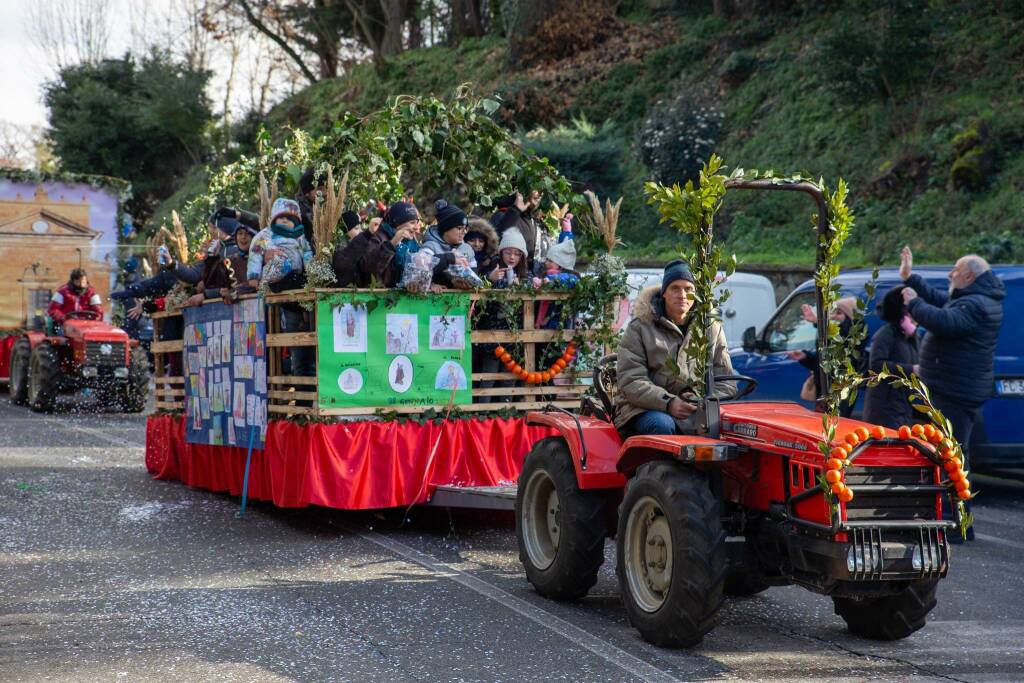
(602,404)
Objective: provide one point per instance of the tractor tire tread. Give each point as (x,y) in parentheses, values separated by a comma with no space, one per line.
(581,545)
(697,592)
(47,374)
(21,356)
(891,617)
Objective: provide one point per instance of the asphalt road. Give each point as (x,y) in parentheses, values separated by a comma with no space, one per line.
(107,575)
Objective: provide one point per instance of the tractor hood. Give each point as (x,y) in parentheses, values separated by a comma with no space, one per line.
(94,330)
(793,429)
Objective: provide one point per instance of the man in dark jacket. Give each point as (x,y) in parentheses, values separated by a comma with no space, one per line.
(963,327)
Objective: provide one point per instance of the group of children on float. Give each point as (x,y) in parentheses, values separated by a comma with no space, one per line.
(511,249)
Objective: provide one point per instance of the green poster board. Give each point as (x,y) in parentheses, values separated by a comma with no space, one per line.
(406,352)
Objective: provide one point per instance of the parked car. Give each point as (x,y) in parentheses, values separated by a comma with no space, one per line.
(998,438)
(750,304)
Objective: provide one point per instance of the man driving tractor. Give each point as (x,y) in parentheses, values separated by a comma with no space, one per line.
(654,372)
(75,296)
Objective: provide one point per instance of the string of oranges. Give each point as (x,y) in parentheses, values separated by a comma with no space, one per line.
(952,462)
(536,377)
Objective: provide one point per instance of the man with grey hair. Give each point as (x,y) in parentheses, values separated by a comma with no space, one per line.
(962,329)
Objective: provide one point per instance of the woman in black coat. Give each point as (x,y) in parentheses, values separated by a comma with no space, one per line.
(895,347)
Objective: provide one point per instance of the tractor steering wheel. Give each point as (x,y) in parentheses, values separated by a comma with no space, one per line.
(749,388)
(82,315)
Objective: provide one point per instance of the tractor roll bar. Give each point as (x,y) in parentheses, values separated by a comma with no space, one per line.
(816,194)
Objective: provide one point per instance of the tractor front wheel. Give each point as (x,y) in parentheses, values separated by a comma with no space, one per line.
(891,617)
(560,528)
(671,555)
(21,355)
(132,397)
(43,378)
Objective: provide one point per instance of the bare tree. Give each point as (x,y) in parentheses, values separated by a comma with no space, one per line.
(70,31)
(23,146)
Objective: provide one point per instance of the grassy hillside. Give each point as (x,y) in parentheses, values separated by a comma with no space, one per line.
(921,111)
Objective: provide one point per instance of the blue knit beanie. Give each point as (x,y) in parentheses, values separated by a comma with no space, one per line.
(677,270)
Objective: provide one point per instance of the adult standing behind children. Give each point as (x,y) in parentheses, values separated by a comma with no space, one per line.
(379,254)
(960,343)
(519,215)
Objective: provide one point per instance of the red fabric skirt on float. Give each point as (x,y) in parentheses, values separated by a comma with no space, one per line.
(348,465)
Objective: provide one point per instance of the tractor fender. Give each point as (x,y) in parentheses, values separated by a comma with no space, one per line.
(689,450)
(595,456)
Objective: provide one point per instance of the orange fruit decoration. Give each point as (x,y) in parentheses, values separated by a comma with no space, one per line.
(928,430)
(852,438)
(833,476)
(516,368)
(878,432)
(962,485)
(963,495)
(951,465)
(506,357)
(840,453)
(834,464)
(904,432)
(846,495)
(917,430)
(499,350)
(935,438)
(956,475)
(862,433)
(534,378)
(560,364)
(838,487)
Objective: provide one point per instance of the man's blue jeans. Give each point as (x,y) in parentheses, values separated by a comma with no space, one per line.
(651,422)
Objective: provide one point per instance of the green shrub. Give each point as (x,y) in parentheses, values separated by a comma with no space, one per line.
(589,156)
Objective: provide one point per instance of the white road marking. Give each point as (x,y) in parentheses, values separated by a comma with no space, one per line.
(606,651)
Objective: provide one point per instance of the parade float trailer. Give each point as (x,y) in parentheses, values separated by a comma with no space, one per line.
(395,415)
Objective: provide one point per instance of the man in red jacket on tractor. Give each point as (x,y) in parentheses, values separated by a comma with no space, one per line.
(75,296)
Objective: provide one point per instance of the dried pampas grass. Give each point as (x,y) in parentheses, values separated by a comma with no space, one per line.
(177,241)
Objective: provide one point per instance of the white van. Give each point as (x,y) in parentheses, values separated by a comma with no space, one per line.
(751,303)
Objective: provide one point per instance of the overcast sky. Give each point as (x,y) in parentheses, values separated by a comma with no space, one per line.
(24,67)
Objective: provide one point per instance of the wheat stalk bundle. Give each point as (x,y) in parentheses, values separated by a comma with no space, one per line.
(268,194)
(606,219)
(178,239)
(327,211)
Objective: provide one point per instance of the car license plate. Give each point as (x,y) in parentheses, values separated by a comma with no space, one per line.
(1010,387)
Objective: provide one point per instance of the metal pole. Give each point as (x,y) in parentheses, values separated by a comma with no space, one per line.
(245,477)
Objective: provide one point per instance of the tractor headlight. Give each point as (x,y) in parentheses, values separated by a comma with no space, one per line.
(928,560)
(90,371)
(120,373)
(853,562)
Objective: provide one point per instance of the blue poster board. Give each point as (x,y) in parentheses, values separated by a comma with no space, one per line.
(225,357)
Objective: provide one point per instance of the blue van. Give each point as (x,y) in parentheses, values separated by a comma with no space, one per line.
(997,441)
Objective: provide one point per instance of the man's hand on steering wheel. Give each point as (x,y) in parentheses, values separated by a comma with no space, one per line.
(680,409)
(81,315)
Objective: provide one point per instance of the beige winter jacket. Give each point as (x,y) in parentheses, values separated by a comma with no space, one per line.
(645,381)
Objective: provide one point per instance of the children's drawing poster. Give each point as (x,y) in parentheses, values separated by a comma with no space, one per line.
(405,351)
(226,374)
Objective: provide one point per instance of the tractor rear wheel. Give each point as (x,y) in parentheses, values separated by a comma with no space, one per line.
(43,378)
(671,555)
(21,355)
(890,617)
(560,529)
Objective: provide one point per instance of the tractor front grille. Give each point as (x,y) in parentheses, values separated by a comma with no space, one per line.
(891,493)
(104,354)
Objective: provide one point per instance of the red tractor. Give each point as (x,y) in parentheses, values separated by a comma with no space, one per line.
(88,353)
(733,508)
